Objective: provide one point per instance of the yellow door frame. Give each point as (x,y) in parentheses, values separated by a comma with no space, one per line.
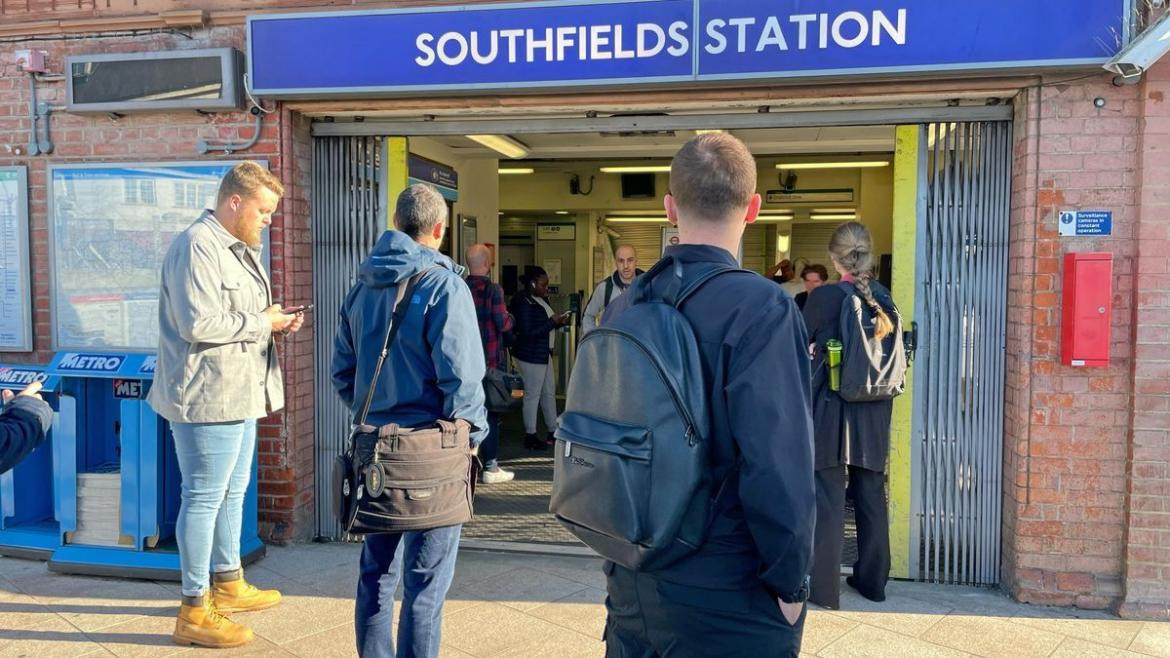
(395,151)
(909,161)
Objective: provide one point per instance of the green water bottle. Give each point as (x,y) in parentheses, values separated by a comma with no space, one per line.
(834,347)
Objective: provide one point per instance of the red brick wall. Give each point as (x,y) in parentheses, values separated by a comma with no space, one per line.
(1069,437)
(1067,428)
(1147,551)
(286,486)
(285,455)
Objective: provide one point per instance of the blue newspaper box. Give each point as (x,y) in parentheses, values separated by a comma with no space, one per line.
(116,478)
(28,527)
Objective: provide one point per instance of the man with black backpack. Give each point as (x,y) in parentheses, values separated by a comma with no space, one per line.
(693,473)
(610,289)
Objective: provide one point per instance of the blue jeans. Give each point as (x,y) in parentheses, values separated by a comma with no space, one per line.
(215,460)
(429,567)
(491,445)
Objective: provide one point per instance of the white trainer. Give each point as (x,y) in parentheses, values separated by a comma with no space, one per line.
(496,476)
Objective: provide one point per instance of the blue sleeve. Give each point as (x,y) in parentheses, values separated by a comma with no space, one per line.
(344,356)
(452,331)
(23,425)
(771,424)
(615,308)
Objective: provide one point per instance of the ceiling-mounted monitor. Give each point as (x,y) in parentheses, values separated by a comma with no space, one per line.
(208,80)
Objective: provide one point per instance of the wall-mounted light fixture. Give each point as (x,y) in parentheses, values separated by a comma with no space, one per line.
(502,144)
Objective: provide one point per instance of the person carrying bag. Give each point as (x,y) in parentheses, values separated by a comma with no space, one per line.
(398,479)
(501,382)
(415,391)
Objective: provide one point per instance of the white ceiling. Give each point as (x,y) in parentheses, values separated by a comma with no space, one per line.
(774,141)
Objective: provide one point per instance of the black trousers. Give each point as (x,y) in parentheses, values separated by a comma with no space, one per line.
(872,570)
(651,618)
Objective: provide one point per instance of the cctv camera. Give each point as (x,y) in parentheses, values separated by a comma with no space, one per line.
(1144,51)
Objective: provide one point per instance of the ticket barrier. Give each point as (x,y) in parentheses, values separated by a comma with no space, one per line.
(116,479)
(28,527)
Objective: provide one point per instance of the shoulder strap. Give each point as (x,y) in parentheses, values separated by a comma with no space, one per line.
(676,290)
(405,290)
(608,292)
(704,278)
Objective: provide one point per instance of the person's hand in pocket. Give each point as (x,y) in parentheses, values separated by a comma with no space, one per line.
(791,612)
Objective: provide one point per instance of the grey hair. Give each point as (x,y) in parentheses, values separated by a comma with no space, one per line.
(851,247)
(419,209)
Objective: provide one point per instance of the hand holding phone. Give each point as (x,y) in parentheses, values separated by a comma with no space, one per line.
(293,310)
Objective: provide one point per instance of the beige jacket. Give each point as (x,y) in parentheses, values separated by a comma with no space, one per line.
(216,357)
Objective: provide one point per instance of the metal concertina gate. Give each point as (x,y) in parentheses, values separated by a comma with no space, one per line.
(346,224)
(961,299)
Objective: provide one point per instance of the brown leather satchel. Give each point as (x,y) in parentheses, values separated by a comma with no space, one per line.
(399,479)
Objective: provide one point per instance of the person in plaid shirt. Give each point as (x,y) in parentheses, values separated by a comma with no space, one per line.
(494,321)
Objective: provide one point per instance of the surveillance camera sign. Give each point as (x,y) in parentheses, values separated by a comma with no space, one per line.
(1085,223)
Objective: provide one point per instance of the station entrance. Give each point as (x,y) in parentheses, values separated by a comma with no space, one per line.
(933,187)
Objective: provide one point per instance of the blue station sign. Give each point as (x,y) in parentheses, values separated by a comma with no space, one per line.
(444,178)
(616,42)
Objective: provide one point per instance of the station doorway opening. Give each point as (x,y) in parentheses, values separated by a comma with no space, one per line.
(934,196)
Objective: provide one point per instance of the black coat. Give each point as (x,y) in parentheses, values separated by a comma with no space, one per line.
(532,329)
(752,347)
(852,433)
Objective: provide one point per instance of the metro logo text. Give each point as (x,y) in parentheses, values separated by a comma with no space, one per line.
(21,377)
(99,362)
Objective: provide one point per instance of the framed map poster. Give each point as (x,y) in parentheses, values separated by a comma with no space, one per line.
(110,227)
(15,288)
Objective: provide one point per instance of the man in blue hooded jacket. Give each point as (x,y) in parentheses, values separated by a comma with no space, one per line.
(434,370)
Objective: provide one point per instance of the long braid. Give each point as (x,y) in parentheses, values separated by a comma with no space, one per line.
(851,248)
(882,325)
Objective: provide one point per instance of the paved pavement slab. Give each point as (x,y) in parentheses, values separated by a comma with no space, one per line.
(506,604)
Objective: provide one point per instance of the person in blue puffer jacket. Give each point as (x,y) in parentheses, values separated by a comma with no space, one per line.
(535,323)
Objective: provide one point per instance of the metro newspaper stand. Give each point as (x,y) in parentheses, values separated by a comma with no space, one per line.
(116,479)
(28,526)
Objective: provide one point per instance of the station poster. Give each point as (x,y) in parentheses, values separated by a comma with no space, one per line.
(110,229)
(15,291)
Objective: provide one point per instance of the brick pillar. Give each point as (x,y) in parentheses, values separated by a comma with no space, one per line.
(1066,429)
(287,439)
(1147,548)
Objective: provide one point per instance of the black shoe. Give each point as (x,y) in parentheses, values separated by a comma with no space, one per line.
(531,442)
(852,582)
(551,440)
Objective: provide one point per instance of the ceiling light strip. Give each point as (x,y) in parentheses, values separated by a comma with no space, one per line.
(501,144)
(860,164)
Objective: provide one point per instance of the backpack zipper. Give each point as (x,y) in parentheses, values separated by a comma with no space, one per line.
(692,434)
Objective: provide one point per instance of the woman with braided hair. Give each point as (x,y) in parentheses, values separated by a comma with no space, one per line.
(852,439)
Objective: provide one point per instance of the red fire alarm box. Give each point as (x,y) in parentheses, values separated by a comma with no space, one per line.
(1088,312)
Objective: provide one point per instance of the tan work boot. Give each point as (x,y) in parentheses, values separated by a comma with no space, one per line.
(200,624)
(234,594)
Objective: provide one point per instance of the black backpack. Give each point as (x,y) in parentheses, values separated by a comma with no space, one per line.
(871,369)
(632,477)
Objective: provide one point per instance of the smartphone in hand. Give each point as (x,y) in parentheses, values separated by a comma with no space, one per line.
(293,310)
